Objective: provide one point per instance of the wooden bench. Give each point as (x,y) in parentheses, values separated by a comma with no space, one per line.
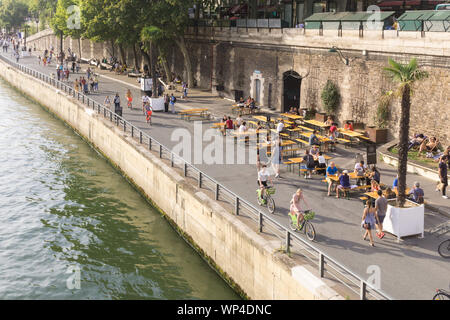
(306,128)
(134,75)
(303,142)
(187,114)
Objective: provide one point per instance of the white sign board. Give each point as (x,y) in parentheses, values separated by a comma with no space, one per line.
(146,84)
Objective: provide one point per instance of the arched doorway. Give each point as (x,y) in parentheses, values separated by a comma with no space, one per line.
(291,91)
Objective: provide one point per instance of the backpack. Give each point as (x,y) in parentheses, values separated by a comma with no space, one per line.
(174,99)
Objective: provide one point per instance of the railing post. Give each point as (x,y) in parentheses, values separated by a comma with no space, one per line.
(149,143)
(185,169)
(321,264)
(140,137)
(362,292)
(288,241)
(124,126)
(110,116)
(132,131)
(200,179)
(260,222)
(217,192)
(236,206)
(160,151)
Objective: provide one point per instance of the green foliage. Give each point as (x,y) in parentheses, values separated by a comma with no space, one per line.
(13,13)
(382,115)
(330,97)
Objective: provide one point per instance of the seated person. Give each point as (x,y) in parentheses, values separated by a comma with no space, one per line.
(374,174)
(247,102)
(321,163)
(348,126)
(416,193)
(344,182)
(313,140)
(291,110)
(430,146)
(416,141)
(241,102)
(252,105)
(296,112)
(389,194)
(374,186)
(333,132)
(329,121)
(360,170)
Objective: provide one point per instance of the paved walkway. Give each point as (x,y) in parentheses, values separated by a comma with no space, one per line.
(411,269)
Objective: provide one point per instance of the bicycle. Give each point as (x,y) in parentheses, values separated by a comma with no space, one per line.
(441,295)
(444,249)
(267,200)
(130,104)
(305,226)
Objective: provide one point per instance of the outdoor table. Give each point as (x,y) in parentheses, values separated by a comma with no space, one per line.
(316,123)
(291,116)
(200,111)
(298,161)
(374,194)
(284,143)
(349,133)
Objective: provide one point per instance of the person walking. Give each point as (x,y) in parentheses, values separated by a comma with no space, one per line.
(117,108)
(166,102)
(130,100)
(107,102)
(276,157)
(443,175)
(96,83)
(368,221)
(381,208)
(310,164)
(172,102)
(76,85)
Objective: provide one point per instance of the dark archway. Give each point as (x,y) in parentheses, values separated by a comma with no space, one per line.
(292,82)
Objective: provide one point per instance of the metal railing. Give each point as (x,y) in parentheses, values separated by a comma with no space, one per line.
(291,242)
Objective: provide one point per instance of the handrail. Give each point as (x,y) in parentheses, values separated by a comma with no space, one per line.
(364,288)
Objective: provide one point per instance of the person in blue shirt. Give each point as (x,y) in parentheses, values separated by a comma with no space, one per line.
(313,140)
(344,182)
(395,184)
(332,170)
(417,193)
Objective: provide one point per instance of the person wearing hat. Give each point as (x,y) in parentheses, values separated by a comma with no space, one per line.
(344,182)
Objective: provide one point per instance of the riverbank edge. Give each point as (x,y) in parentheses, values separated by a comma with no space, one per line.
(290,283)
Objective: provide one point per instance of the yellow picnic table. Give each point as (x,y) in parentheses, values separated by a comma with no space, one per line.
(263,118)
(291,116)
(316,123)
(248,133)
(190,112)
(350,133)
(284,143)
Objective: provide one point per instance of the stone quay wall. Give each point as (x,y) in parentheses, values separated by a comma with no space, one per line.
(244,257)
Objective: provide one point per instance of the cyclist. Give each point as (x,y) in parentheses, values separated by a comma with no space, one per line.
(295,208)
(263,176)
(130,99)
(145,99)
(149,112)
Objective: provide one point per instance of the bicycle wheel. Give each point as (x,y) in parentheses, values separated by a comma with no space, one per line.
(309,231)
(444,249)
(270,204)
(292,225)
(441,296)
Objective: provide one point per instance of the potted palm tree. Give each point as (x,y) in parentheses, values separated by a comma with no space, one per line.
(405,75)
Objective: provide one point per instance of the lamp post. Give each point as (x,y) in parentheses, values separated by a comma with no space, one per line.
(344,59)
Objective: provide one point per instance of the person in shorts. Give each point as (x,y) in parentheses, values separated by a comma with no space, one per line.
(381,208)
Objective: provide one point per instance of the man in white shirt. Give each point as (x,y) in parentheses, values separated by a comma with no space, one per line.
(238,121)
(280,127)
(145,99)
(263,177)
(360,169)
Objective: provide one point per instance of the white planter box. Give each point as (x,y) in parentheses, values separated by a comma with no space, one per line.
(403,222)
(157,104)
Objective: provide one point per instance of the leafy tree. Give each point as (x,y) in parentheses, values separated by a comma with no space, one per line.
(13,13)
(405,75)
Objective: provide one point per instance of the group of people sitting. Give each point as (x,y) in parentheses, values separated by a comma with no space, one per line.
(250,103)
(427,145)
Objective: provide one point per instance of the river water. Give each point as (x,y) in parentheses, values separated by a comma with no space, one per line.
(71,227)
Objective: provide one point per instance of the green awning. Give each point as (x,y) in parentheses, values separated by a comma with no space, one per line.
(433,20)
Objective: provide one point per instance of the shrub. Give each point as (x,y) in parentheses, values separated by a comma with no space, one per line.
(330,97)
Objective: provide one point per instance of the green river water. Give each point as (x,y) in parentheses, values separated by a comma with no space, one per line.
(64,208)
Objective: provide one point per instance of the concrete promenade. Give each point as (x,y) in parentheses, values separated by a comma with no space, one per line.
(411,269)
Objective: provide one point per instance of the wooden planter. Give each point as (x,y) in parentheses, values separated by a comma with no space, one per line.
(321,116)
(377,135)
